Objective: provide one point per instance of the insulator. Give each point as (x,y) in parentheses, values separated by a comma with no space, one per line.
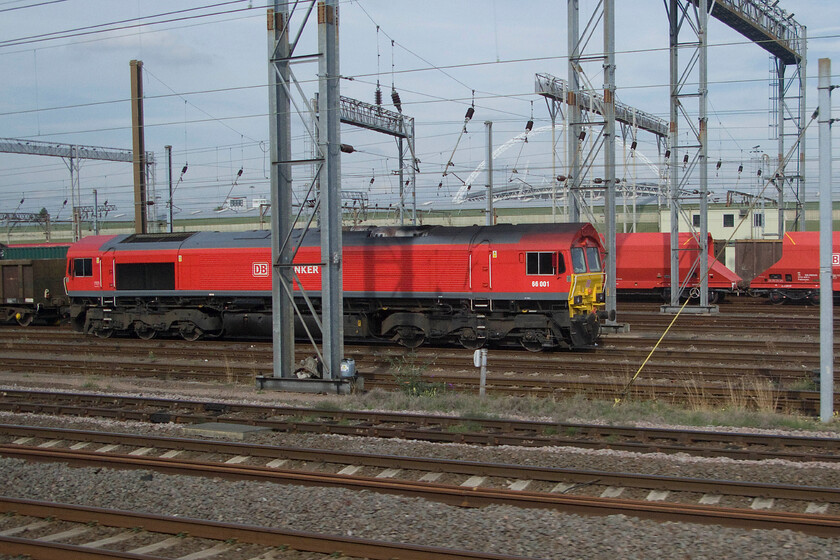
(633,145)
(470,113)
(347,148)
(598,180)
(529,126)
(759,173)
(561,178)
(740,168)
(667,154)
(718,165)
(440,184)
(372,179)
(582,135)
(378,96)
(184,170)
(617,181)
(239,173)
(685,158)
(395,98)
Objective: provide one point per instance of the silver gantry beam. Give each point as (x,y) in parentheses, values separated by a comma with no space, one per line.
(557,89)
(73,154)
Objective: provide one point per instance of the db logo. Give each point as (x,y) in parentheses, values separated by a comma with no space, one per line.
(835,259)
(259,269)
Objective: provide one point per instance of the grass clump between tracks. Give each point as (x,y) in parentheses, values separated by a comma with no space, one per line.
(578,409)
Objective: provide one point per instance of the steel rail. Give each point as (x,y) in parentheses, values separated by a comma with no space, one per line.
(427,427)
(269,537)
(813,524)
(502,470)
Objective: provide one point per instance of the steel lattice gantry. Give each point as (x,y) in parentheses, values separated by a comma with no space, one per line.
(73,154)
(772,28)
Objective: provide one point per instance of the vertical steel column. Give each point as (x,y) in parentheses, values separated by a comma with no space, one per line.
(75,191)
(574,179)
(138,147)
(95,212)
(329,119)
(702,137)
(674,32)
(488,218)
(826,249)
(169,180)
(402,184)
(609,152)
(779,178)
(803,116)
(280,138)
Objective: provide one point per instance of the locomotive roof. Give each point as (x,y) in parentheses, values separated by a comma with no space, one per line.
(368,235)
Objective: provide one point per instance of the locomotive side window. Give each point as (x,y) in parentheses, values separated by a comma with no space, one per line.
(578,260)
(82,267)
(540,264)
(593,257)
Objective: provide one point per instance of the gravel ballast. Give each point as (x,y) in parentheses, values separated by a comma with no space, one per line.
(500,529)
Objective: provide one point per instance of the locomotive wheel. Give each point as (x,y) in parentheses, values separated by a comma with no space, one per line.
(531,342)
(190,332)
(814,298)
(145,332)
(714,296)
(776,298)
(24,319)
(410,337)
(104,333)
(469,339)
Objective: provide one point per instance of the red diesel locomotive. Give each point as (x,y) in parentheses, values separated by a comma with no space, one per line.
(540,285)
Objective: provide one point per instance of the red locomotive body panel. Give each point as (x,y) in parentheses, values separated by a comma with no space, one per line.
(532,279)
(643,263)
(796,275)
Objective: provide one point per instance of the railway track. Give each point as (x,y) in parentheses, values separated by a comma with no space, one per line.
(453,482)
(57,531)
(425,427)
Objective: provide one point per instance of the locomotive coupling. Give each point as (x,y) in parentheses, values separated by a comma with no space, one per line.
(608,315)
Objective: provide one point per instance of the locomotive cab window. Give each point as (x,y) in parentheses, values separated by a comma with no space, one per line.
(578,260)
(82,267)
(593,258)
(543,264)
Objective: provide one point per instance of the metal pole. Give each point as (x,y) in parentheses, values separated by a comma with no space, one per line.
(402,185)
(826,239)
(330,142)
(280,145)
(95,213)
(169,180)
(139,148)
(703,36)
(779,180)
(673,20)
(488,126)
(800,196)
(573,180)
(609,153)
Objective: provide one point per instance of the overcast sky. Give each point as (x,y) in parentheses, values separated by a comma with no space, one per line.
(206,70)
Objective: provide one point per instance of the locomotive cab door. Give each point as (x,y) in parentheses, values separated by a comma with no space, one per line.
(481,270)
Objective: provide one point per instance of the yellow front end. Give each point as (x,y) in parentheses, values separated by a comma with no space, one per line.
(587,293)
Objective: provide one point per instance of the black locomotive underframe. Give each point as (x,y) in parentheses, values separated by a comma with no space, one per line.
(472,323)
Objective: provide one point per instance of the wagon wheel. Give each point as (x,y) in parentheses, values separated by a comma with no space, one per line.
(104,333)
(531,341)
(470,340)
(410,337)
(776,298)
(24,319)
(144,331)
(190,331)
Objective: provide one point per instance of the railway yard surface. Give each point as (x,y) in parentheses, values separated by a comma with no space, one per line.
(712,450)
